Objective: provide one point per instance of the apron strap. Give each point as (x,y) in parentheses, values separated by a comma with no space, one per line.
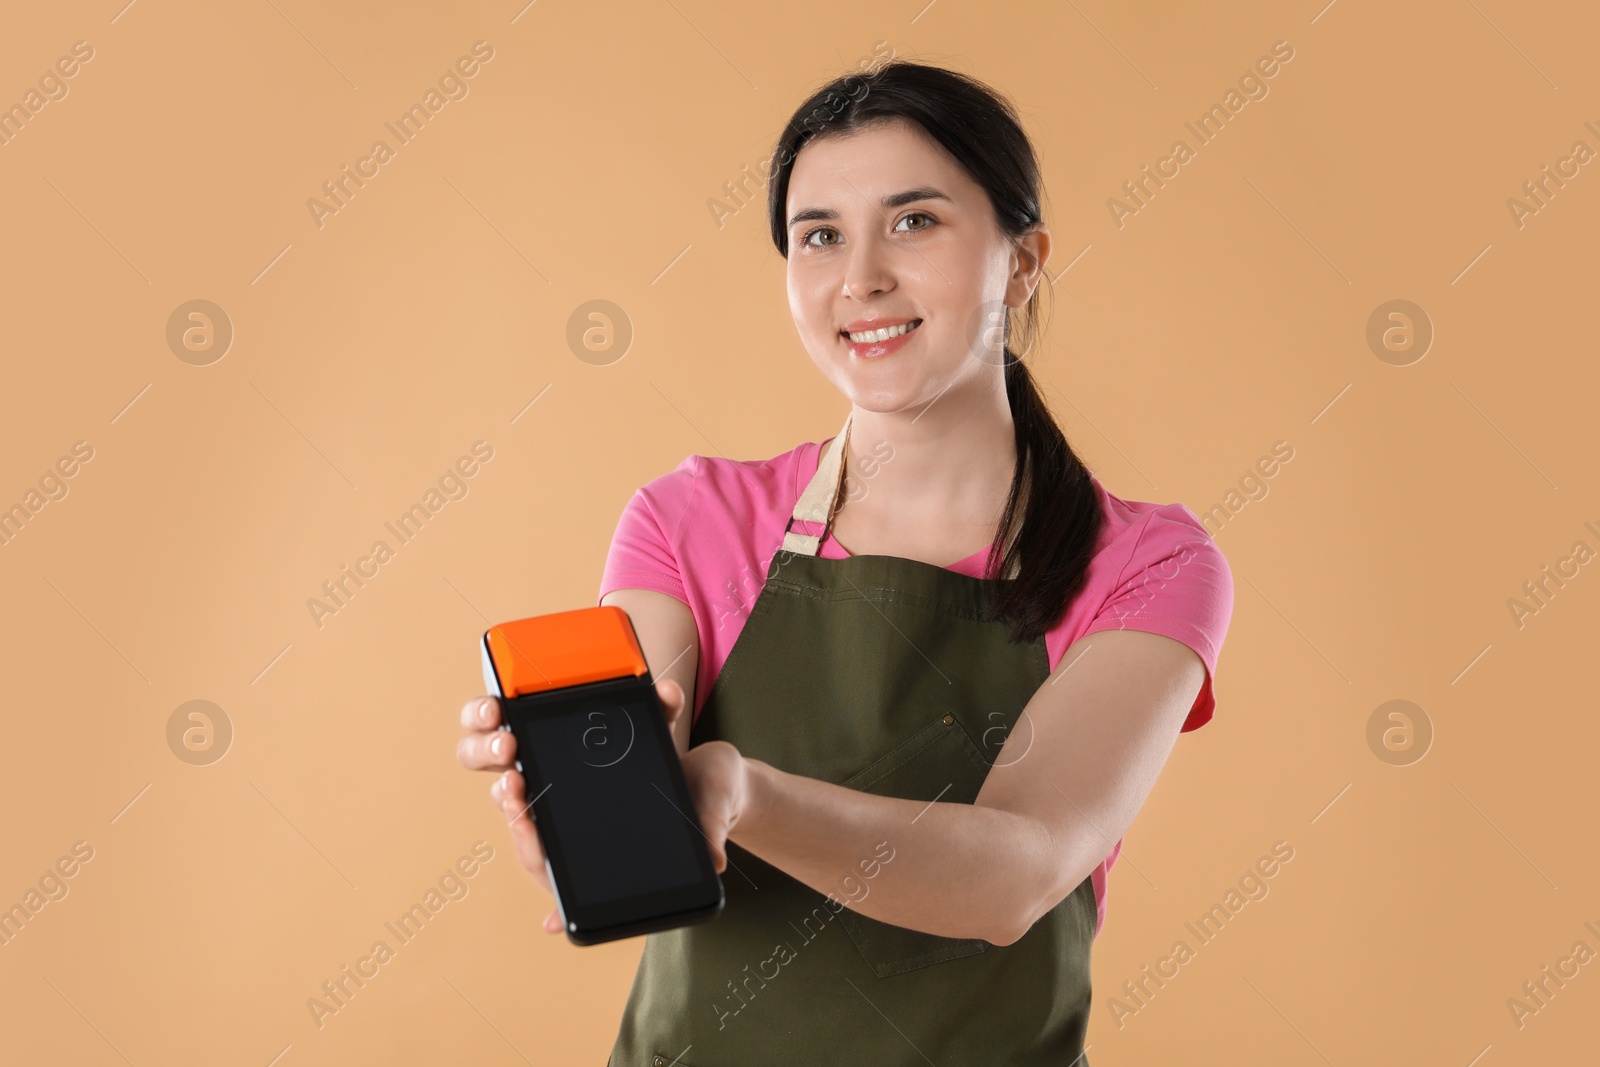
(821,497)
(820,500)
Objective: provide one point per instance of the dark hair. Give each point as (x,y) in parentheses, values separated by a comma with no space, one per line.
(1051,495)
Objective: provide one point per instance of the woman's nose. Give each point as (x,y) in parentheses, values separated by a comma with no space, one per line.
(866,274)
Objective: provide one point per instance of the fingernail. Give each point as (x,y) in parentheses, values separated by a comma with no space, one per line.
(498,745)
(483,711)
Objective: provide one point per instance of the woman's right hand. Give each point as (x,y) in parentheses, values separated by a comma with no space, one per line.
(486,747)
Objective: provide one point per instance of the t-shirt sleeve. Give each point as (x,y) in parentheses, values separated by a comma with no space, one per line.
(1178,584)
(644,552)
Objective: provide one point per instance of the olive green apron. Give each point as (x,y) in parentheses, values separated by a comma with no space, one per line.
(879,674)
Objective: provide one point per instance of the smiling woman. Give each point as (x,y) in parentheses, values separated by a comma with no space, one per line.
(928,689)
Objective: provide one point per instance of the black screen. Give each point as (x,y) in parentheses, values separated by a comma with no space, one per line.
(615,815)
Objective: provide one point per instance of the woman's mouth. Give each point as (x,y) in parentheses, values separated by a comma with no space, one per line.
(870,344)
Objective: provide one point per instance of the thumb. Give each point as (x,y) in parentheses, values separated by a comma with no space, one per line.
(672,699)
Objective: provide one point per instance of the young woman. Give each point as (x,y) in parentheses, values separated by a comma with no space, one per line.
(936,666)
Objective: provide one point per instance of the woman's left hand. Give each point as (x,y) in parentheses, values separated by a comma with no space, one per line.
(719,782)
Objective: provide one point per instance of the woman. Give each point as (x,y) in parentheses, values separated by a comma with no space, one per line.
(913,773)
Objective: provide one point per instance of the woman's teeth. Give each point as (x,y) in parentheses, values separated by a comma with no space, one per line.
(884,334)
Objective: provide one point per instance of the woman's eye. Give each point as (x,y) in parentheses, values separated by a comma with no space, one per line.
(807,238)
(928,220)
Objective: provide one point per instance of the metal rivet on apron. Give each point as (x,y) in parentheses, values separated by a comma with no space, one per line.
(948,719)
(657,1062)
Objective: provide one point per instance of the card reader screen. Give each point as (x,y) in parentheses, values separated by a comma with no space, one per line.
(616,816)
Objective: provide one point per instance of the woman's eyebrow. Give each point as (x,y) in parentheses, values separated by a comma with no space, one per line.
(893,200)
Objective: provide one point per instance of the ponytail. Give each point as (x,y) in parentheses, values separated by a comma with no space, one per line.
(1051,520)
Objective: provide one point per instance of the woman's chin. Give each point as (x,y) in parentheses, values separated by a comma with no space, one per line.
(883,401)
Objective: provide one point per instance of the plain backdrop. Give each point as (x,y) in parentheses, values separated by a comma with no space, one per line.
(375,345)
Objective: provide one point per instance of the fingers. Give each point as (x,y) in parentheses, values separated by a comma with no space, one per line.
(497,791)
(487,747)
(717,838)
(480,713)
(524,837)
(712,771)
(489,750)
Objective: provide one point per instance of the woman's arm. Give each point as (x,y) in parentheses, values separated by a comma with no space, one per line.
(1066,786)
(670,642)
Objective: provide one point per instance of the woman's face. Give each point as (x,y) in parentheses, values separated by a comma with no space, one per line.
(892,230)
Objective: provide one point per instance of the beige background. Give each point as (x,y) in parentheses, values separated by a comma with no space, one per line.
(1227,314)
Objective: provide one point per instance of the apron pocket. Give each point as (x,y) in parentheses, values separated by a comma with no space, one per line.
(938,762)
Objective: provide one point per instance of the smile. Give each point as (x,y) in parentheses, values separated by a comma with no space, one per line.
(871,336)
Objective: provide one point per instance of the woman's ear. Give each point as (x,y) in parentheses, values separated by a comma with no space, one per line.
(1030,253)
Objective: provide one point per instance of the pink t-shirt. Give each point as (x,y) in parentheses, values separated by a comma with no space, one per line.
(706,533)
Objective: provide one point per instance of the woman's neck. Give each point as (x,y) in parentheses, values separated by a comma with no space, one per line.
(928,482)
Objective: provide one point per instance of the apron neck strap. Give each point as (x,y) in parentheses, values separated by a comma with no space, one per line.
(821,499)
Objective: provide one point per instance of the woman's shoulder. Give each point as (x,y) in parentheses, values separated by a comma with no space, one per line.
(1128,521)
(1146,543)
(716,482)
(704,523)
(1157,569)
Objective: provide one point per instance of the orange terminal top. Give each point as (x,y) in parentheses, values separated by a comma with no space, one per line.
(562,649)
